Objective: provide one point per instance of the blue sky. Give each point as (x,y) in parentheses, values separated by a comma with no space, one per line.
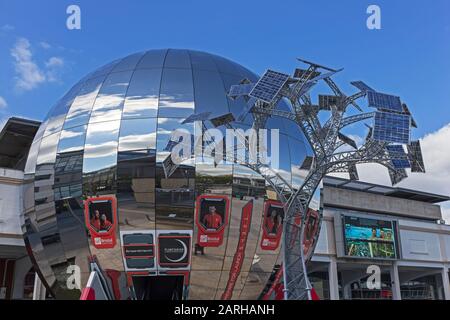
(409,56)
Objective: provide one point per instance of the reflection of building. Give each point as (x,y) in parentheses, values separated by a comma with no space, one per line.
(422,268)
(16,272)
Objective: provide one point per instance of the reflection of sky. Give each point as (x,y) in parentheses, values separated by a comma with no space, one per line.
(72,139)
(101,146)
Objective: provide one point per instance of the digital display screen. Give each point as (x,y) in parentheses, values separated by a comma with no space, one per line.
(369,238)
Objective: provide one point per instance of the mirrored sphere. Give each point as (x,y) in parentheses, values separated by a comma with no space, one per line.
(98,187)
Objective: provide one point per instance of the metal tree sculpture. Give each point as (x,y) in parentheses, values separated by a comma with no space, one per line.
(392,122)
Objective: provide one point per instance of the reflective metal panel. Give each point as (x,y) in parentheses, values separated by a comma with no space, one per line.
(143,94)
(56,117)
(152,59)
(109,102)
(176,98)
(136,174)
(99,178)
(121,152)
(177,58)
(137,134)
(128,63)
(209,88)
(174,201)
(81,108)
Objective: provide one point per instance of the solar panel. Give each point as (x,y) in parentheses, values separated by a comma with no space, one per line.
(406,111)
(369,134)
(353,172)
(169,166)
(398,157)
(362,86)
(415,157)
(326,101)
(347,140)
(397,175)
(307,163)
(222,120)
(384,101)
(197,117)
(238,90)
(269,86)
(326,75)
(391,127)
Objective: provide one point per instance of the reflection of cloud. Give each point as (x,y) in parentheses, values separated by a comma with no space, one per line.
(68,134)
(92,151)
(3,103)
(137,141)
(437,164)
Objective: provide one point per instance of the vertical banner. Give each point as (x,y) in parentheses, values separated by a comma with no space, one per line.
(100,215)
(238,259)
(273,225)
(211,218)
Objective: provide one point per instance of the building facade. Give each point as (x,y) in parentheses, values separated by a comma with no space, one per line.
(369,230)
(17,275)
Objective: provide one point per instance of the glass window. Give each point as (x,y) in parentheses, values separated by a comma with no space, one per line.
(109,103)
(177,93)
(80,110)
(136,134)
(143,93)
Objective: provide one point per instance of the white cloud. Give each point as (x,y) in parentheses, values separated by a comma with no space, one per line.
(45,45)
(29,75)
(7,27)
(436,157)
(54,65)
(54,62)
(3,103)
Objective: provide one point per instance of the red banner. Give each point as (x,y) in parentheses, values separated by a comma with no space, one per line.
(211,219)
(101,220)
(238,260)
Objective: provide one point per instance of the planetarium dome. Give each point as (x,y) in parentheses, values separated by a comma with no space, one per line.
(98,190)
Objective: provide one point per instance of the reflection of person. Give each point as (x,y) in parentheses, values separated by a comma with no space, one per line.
(310,227)
(105,224)
(95,221)
(273,222)
(212,220)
